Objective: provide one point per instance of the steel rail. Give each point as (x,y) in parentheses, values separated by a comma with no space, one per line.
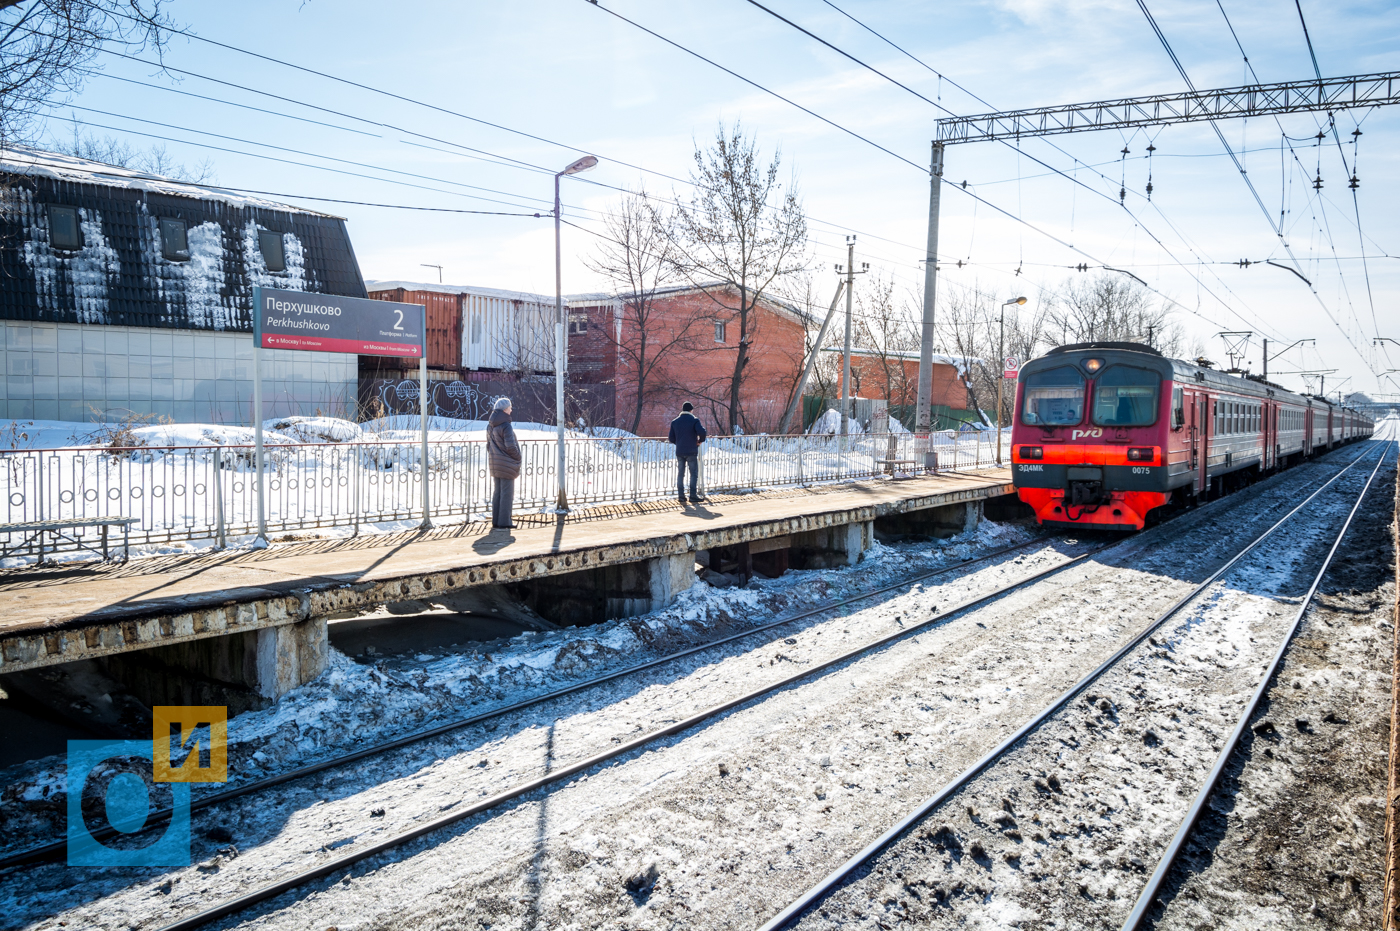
(837,876)
(205,800)
(1138,916)
(339,863)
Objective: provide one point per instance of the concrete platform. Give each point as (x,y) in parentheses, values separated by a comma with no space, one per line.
(94,610)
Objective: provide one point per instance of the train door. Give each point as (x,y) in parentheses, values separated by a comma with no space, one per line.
(1200,442)
(1265,432)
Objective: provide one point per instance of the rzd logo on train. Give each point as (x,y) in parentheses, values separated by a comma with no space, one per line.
(1090,433)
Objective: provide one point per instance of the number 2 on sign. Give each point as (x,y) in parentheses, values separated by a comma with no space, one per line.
(399,325)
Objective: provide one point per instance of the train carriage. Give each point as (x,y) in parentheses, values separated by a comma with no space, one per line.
(1106,433)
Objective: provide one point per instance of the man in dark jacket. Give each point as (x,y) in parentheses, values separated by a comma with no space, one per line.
(503,461)
(687,434)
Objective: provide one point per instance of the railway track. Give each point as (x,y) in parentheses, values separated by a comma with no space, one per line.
(205,800)
(863,867)
(341,863)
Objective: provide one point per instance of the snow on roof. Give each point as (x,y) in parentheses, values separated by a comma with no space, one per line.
(583,299)
(604,297)
(526,296)
(938,358)
(26,160)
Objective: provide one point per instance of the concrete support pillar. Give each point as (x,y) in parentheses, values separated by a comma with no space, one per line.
(852,540)
(243,671)
(290,655)
(832,547)
(973,515)
(669,576)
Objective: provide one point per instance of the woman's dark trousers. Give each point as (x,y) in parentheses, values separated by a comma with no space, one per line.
(501,501)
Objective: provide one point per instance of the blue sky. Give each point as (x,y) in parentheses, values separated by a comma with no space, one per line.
(567,72)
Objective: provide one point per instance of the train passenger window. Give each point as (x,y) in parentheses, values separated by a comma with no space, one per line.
(1054,397)
(1125,396)
(1178,408)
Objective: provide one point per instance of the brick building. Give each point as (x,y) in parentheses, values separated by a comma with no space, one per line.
(894,376)
(692,343)
(484,342)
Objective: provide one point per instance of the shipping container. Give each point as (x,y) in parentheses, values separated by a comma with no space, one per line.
(444,322)
(480,328)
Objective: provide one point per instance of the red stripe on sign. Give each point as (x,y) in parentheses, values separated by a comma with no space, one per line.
(326,344)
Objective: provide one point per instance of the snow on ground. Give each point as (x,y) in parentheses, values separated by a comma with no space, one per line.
(709,828)
(353,703)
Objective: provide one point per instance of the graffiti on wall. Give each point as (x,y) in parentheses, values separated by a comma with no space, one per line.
(459,400)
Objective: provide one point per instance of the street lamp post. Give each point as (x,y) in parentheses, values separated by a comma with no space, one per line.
(561,330)
(1001,351)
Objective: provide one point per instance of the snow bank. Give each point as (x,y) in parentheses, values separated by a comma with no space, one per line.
(829,424)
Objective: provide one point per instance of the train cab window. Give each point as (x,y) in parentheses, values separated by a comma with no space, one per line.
(1125,396)
(1054,397)
(1178,408)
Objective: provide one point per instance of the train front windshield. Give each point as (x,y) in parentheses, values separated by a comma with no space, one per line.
(1126,397)
(1054,398)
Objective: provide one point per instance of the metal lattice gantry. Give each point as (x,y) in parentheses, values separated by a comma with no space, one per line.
(1365,90)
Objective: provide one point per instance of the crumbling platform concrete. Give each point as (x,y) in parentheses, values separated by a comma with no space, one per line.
(283,595)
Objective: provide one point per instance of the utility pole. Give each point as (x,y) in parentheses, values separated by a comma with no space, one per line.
(924,397)
(438,267)
(846,352)
(1001,351)
(786,424)
(1267,357)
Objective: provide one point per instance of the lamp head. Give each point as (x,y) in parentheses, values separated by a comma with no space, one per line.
(587,163)
(1017,300)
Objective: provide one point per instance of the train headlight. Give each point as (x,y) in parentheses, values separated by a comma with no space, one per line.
(1032,452)
(1141,454)
(1092,365)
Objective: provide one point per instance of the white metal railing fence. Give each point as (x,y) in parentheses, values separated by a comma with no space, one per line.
(184,493)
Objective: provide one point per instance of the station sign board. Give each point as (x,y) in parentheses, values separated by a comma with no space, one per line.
(1012,369)
(331,323)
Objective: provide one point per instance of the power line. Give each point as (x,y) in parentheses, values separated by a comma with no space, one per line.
(279,148)
(1250,183)
(940,106)
(1074,180)
(140,176)
(1356,206)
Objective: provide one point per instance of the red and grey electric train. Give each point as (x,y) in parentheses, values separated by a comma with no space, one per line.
(1106,432)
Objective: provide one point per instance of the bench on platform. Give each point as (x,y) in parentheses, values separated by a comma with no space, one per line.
(37,529)
(892,464)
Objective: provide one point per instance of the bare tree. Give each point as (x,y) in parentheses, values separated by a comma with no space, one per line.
(1111,307)
(729,232)
(801,291)
(639,254)
(886,331)
(46,44)
(155,161)
(963,331)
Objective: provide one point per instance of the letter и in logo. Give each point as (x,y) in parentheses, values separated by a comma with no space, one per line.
(198,734)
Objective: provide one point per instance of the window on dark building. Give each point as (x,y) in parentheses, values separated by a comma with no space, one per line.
(174,240)
(719,331)
(64,231)
(270,245)
(578,323)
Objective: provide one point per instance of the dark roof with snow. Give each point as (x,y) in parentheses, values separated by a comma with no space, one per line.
(121,269)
